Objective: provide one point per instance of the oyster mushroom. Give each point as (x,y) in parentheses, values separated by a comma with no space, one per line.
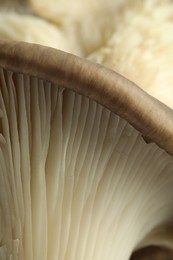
(85,161)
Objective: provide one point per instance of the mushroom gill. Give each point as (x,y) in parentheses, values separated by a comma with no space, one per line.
(77,181)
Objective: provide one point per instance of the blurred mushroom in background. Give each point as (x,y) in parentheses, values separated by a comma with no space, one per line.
(141,47)
(132,37)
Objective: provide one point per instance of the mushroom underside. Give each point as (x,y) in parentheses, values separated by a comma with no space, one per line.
(77,181)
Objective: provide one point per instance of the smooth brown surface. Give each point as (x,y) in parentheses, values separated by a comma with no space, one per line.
(6,4)
(152,118)
(152,253)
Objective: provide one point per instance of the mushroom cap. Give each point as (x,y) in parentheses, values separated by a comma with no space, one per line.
(123,97)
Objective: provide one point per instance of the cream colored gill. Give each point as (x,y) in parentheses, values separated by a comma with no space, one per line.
(77,181)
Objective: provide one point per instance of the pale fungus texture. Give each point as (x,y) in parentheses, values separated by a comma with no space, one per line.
(29,28)
(141,47)
(66,25)
(77,181)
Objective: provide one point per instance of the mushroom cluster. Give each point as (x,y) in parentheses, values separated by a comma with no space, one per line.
(86,156)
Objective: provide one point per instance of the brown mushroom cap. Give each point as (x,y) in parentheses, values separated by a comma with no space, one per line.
(149,116)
